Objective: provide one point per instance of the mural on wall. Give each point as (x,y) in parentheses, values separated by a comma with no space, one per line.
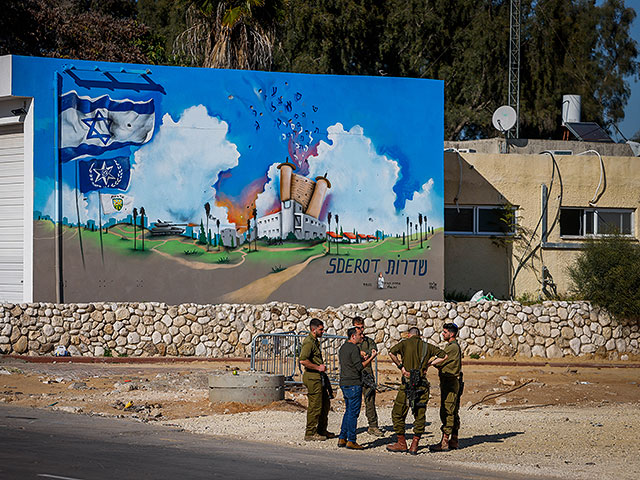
(203,185)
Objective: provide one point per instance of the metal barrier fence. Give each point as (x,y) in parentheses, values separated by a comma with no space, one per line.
(279,354)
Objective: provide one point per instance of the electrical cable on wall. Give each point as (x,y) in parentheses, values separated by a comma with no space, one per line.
(525,257)
(602,181)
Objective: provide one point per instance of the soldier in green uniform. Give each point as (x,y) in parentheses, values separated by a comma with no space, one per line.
(367,346)
(450,390)
(417,356)
(317,395)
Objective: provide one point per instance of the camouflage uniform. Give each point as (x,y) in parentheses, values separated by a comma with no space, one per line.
(318,398)
(411,352)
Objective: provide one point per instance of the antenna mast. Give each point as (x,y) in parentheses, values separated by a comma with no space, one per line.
(514,64)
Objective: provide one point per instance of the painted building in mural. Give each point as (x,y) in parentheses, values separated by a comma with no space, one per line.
(136,182)
(301,201)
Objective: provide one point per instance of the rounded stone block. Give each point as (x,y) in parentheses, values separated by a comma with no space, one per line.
(246,387)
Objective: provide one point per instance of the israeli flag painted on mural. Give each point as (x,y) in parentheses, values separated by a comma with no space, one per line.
(91,126)
(97,174)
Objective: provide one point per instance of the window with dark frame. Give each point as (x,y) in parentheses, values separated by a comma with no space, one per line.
(580,222)
(479,220)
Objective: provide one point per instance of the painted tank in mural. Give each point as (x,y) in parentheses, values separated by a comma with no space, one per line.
(266,186)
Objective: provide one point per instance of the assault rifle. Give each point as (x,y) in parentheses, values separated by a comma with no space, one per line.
(326,384)
(415,388)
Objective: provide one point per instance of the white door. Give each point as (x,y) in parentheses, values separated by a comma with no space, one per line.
(11,213)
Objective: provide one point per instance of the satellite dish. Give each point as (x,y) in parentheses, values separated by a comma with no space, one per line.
(504,118)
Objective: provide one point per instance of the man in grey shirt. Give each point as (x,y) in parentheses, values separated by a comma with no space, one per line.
(351,366)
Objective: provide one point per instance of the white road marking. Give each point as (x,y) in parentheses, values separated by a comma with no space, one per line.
(57,477)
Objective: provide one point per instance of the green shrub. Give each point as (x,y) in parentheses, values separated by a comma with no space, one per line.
(607,273)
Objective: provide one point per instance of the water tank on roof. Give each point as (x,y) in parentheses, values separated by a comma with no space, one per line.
(571,108)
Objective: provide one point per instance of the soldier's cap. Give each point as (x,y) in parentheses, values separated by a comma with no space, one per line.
(451,327)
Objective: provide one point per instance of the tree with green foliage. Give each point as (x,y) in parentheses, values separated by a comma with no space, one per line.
(105,30)
(607,273)
(229,33)
(567,46)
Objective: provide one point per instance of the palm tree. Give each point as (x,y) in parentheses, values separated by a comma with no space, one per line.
(420,221)
(408,233)
(255,224)
(135,216)
(337,243)
(207,211)
(218,237)
(426,228)
(142,212)
(229,33)
(329,229)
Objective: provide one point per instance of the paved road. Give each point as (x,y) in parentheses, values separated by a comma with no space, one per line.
(40,444)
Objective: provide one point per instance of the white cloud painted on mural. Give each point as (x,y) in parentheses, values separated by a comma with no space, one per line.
(87,205)
(271,194)
(174,173)
(362,184)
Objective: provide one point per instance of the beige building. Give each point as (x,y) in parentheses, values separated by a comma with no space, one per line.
(556,203)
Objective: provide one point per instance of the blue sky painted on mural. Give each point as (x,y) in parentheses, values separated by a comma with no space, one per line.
(219,135)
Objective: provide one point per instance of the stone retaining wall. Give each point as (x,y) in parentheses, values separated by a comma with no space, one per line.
(547,330)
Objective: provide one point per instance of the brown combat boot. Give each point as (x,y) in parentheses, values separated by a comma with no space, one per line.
(399,446)
(413,449)
(443,446)
(453,442)
(354,446)
(342,442)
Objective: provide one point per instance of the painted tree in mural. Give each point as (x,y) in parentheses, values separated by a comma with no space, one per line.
(135,216)
(420,222)
(408,234)
(254,212)
(229,33)
(218,237)
(207,211)
(337,243)
(202,235)
(329,229)
(142,213)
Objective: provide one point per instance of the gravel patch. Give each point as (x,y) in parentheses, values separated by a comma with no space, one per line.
(567,442)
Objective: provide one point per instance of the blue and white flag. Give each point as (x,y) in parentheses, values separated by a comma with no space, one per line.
(96,174)
(91,126)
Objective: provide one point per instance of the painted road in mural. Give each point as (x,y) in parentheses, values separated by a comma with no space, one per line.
(211,185)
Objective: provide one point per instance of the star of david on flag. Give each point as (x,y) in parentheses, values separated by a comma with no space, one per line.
(97,174)
(91,126)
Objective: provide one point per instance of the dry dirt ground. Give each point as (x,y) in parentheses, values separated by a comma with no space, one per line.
(578,420)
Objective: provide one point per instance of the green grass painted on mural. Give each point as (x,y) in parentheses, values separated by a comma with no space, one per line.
(177,247)
(284,257)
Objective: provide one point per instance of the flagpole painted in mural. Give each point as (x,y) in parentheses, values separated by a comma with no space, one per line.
(79,223)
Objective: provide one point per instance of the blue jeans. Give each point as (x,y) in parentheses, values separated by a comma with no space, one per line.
(352,403)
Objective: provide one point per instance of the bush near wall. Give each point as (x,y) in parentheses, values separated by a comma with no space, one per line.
(547,330)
